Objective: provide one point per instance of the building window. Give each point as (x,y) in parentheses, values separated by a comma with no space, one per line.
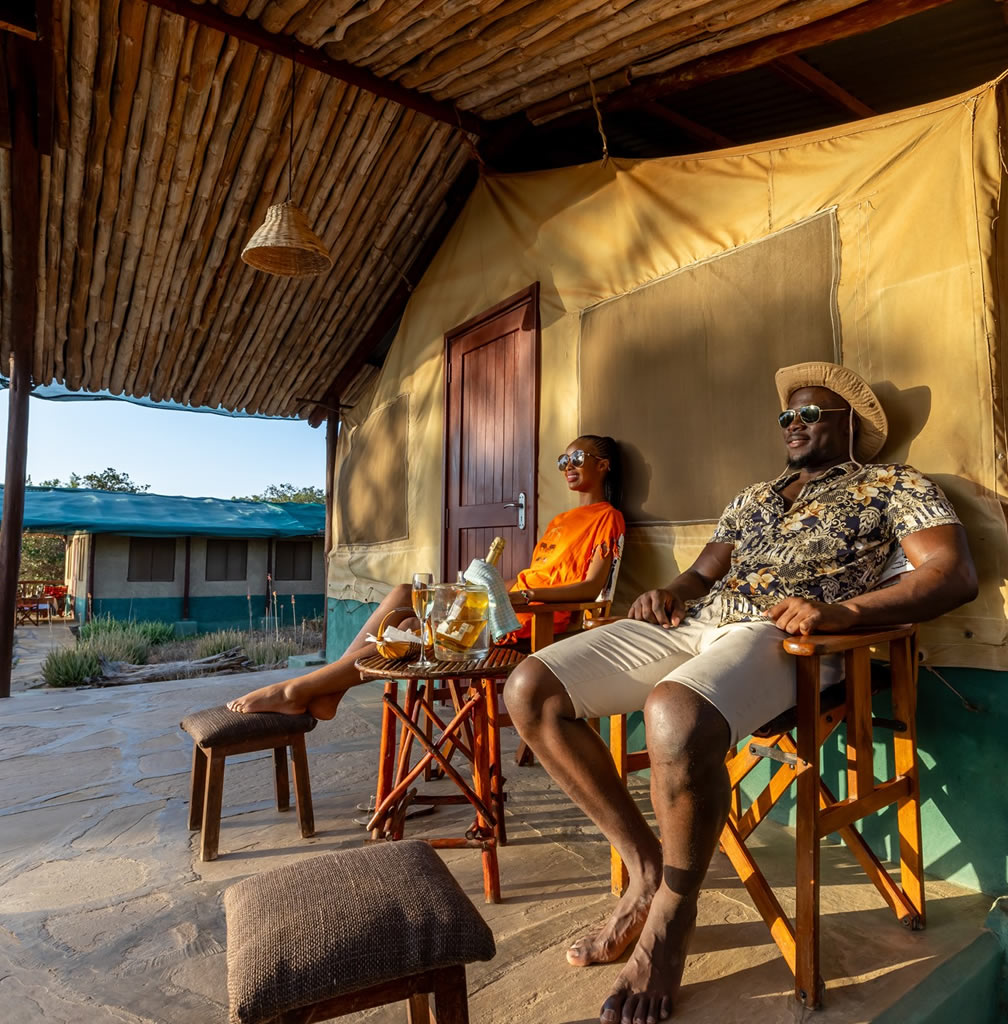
(226,559)
(79,557)
(293,560)
(151,559)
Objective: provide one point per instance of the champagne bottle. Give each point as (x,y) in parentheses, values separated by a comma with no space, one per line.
(502,619)
(462,633)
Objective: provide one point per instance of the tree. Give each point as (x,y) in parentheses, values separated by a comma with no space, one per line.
(108,480)
(288,492)
(42,556)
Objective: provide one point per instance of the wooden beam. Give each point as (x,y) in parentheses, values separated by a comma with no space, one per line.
(20,18)
(20,83)
(613,91)
(693,129)
(393,308)
(806,77)
(332,434)
(250,31)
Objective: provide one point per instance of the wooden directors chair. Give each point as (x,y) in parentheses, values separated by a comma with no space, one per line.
(818,812)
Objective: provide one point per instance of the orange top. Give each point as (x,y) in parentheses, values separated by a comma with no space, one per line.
(565,552)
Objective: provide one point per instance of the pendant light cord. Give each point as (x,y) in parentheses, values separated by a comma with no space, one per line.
(290,151)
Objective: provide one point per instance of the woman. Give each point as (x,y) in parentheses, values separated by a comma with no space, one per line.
(570,563)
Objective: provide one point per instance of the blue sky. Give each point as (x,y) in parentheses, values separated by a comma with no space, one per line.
(195,454)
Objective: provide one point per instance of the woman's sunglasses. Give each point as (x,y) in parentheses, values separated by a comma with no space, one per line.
(808,414)
(575,459)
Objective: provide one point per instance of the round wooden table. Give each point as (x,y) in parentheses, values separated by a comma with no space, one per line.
(473,732)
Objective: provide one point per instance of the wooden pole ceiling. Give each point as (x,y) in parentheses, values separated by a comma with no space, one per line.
(250,31)
(615,92)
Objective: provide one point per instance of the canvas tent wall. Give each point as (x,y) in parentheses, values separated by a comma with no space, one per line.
(912,200)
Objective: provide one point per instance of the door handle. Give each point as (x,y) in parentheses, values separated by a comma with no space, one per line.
(520,505)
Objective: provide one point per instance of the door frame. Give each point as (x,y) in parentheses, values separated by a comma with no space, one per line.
(533,324)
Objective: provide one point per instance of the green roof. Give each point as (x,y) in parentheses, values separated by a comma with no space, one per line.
(80,510)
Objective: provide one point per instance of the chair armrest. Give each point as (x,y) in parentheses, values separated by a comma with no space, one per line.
(542,607)
(837,643)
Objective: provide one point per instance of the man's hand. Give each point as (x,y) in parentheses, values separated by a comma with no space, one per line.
(659,606)
(798,615)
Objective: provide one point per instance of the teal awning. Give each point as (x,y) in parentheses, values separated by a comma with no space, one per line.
(78,509)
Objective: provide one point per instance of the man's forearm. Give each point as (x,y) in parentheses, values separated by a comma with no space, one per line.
(689,586)
(917,596)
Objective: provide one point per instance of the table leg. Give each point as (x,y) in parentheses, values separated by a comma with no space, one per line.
(481,783)
(494,755)
(387,750)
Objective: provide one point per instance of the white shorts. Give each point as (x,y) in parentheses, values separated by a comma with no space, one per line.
(741,668)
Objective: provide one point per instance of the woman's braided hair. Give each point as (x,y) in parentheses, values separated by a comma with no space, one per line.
(608,448)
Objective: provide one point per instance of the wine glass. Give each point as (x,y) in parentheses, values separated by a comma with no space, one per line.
(423,604)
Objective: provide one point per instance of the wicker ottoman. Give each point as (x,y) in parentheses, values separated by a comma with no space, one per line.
(347,931)
(217,733)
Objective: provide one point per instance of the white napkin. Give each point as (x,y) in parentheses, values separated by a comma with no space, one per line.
(393,634)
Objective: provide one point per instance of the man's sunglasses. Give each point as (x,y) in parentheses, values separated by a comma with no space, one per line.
(575,459)
(808,414)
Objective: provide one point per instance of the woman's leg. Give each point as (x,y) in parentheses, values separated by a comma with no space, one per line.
(319,692)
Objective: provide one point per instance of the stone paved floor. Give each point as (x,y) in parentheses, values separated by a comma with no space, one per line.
(107,915)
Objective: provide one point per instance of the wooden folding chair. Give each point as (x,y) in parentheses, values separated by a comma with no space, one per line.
(818,812)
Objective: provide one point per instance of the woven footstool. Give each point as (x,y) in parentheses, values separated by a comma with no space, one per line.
(347,931)
(217,733)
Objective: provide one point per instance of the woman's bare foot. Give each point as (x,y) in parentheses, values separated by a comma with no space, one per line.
(624,925)
(269,698)
(324,707)
(646,989)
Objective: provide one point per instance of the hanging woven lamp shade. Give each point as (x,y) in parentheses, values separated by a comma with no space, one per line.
(286,245)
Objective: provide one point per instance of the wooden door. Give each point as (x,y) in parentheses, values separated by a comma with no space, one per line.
(491,429)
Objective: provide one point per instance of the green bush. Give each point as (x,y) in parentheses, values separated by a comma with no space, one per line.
(268,650)
(152,633)
(99,625)
(70,666)
(155,633)
(216,643)
(128,644)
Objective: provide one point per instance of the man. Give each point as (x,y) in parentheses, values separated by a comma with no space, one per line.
(703,658)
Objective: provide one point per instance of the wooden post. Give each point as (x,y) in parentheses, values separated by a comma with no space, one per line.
(22,104)
(332,433)
(269,574)
(89,601)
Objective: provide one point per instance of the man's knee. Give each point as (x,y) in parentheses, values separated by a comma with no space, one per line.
(531,691)
(682,725)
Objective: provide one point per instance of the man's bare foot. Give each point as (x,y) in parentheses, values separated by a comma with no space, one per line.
(624,925)
(646,989)
(269,698)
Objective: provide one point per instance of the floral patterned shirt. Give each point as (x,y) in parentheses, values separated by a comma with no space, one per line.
(831,544)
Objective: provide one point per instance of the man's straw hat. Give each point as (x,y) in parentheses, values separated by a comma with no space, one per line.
(852,388)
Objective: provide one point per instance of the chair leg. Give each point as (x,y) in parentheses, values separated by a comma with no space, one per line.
(451,1001)
(808,982)
(197,784)
(908,817)
(281,780)
(302,786)
(619,877)
(418,1009)
(212,799)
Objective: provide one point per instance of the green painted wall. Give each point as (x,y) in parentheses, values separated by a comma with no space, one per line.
(343,622)
(210,613)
